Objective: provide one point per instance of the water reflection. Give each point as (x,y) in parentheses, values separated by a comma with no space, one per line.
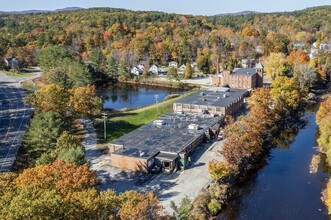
(119,96)
(284,189)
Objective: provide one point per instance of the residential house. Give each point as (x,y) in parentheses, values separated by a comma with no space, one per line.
(136,71)
(11,62)
(315,49)
(173,64)
(154,69)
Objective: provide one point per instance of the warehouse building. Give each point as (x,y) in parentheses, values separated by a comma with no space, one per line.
(217,100)
(166,142)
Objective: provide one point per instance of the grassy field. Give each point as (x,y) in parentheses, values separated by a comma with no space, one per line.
(120,123)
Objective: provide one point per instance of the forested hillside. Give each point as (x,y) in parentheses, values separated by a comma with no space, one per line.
(155,37)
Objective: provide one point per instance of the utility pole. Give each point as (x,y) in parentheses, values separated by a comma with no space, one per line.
(157,106)
(104,116)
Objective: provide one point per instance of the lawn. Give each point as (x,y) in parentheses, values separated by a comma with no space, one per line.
(18,74)
(120,123)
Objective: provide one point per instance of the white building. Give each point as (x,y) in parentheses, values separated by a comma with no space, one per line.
(314,49)
(154,69)
(173,64)
(136,71)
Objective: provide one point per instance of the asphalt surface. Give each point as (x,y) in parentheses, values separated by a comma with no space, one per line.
(14,119)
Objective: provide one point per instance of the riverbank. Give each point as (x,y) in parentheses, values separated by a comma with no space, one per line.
(151,81)
(283,183)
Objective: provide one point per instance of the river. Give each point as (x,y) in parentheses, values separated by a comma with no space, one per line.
(284,188)
(120,95)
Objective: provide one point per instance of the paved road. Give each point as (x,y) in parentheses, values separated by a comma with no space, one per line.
(14,118)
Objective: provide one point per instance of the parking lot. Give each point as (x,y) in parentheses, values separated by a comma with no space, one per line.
(14,118)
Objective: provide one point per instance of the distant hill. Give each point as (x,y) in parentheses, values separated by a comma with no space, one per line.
(239,13)
(41,11)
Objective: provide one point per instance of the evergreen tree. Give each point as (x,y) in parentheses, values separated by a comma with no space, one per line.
(112,68)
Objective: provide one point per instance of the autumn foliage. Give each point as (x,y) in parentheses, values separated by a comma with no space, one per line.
(245,139)
(81,101)
(67,191)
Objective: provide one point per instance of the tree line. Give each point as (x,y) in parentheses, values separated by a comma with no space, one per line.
(154,37)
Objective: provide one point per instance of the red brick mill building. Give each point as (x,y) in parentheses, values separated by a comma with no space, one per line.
(241,78)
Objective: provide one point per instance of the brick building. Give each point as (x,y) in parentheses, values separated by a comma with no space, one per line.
(241,78)
(222,101)
(166,142)
(169,140)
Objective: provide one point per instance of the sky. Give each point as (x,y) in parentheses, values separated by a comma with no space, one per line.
(195,7)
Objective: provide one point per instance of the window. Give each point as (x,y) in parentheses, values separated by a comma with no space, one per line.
(166,164)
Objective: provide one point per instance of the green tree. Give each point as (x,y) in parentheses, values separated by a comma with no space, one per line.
(50,57)
(78,74)
(203,61)
(286,94)
(214,206)
(72,155)
(112,68)
(59,77)
(43,132)
(275,65)
(184,211)
(172,74)
(189,71)
(97,58)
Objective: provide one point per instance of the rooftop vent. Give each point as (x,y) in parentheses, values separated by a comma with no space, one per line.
(193,127)
(202,93)
(142,154)
(204,100)
(224,96)
(158,122)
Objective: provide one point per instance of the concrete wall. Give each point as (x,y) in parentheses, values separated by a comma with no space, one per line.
(128,163)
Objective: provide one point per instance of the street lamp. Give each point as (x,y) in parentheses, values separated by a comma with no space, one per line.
(104,116)
(157,106)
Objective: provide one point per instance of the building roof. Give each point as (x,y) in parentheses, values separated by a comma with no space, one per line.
(259,66)
(221,97)
(244,71)
(167,156)
(169,135)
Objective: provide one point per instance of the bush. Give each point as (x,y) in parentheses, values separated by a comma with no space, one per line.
(214,206)
(219,170)
(72,155)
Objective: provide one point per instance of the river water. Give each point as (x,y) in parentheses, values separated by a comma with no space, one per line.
(284,188)
(120,96)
